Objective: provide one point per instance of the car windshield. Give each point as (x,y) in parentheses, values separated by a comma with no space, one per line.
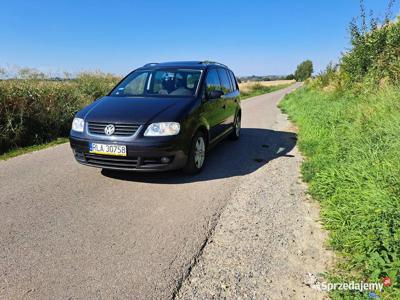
(159,82)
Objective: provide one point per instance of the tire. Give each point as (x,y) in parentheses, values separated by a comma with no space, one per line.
(197,154)
(235,135)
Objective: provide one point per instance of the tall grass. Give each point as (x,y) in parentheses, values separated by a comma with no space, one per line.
(352,146)
(349,128)
(36,111)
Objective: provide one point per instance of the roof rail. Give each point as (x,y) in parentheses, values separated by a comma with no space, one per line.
(208,62)
(150,65)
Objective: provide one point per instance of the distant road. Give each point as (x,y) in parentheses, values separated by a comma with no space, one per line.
(69,231)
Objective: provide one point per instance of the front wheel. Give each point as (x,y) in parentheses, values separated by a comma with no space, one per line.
(197,154)
(235,135)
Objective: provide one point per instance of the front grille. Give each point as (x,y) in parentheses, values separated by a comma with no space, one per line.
(119,162)
(111,161)
(120,129)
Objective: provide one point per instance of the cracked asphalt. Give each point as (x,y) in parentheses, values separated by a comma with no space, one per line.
(73,232)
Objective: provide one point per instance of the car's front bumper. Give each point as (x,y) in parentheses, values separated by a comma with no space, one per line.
(140,157)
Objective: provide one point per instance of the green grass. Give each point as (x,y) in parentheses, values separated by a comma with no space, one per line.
(23,150)
(352,148)
(258,89)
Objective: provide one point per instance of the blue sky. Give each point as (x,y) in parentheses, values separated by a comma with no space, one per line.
(252,37)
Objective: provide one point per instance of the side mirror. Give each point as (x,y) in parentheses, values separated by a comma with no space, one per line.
(215,94)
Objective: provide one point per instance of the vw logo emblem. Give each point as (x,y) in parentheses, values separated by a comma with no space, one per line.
(109,129)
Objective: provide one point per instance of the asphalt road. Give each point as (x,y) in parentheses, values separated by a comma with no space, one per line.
(74,232)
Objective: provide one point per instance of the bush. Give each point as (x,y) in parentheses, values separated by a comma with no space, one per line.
(95,85)
(375,54)
(38,111)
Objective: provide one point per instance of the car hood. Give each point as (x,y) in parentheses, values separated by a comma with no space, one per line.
(138,110)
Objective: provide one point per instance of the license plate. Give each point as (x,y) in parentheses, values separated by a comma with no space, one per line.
(105,149)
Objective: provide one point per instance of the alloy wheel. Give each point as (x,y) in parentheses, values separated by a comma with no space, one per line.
(237,126)
(200,151)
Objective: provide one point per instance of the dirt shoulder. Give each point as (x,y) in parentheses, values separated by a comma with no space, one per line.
(268,238)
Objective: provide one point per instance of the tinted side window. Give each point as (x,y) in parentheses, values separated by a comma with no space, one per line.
(212,81)
(225,81)
(235,87)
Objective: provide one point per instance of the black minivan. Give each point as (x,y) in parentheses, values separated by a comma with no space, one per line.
(162,116)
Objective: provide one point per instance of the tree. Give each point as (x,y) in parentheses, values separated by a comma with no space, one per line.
(2,72)
(290,77)
(30,73)
(304,70)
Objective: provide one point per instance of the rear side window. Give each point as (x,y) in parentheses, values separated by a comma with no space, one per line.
(233,79)
(225,81)
(212,81)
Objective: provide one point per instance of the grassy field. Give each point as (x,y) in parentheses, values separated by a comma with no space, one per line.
(352,149)
(255,88)
(249,85)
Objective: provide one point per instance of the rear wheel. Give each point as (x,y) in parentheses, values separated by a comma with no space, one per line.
(235,135)
(197,154)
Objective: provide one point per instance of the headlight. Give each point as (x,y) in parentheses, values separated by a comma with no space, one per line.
(78,124)
(162,129)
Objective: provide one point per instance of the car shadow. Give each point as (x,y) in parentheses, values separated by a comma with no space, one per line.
(255,148)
